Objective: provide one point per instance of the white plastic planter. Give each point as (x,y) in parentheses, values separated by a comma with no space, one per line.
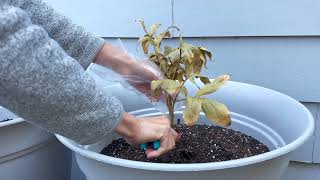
(279,121)
(29,153)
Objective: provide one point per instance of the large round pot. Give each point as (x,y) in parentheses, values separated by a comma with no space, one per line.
(277,120)
(30,153)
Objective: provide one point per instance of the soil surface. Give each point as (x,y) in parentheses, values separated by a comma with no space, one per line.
(198,144)
(4,120)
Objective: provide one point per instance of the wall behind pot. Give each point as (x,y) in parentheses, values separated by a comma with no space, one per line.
(274,44)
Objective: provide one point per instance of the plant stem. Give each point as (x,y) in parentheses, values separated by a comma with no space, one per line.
(170,105)
(171,116)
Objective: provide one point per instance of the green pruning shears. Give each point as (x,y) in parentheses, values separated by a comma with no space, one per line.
(155,144)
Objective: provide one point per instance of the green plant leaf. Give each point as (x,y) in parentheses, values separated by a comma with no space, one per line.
(192,111)
(214,86)
(216,112)
(153,29)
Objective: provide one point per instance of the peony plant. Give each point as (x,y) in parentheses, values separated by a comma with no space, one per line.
(179,65)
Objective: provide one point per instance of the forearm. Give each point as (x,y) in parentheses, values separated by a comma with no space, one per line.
(74,39)
(42,84)
(128,126)
(116,59)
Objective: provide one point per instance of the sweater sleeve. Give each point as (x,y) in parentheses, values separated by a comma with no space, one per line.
(74,39)
(45,86)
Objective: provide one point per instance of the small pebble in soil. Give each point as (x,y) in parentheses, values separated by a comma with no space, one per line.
(198,144)
(4,120)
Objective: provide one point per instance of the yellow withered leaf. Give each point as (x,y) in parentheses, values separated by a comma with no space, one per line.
(192,111)
(156,87)
(142,24)
(153,29)
(145,46)
(172,87)
(216,112)
(145,42)
(186,52)
(174,55)
(163,35)
(214,86)
(206,52)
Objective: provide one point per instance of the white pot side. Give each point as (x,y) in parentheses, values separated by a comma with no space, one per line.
(275,119)
(30,153)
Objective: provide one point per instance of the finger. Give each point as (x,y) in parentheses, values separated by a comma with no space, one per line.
(173,140)
(172,143)
(178,137)
(175,134)
(149,150)
(160,120)
(162,150)
(156,153)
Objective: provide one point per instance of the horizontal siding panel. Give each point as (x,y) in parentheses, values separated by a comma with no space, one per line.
(114,18)
(286,64)
(202,18)
(208,18)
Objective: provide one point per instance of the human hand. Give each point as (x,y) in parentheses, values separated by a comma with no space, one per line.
(137,131)
(138,73)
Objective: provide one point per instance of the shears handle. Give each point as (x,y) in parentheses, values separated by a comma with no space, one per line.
(155,144)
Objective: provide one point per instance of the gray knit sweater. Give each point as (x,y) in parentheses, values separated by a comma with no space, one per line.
(42,77)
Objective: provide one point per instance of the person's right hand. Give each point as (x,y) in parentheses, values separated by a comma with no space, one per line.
(137,72)
(137,131)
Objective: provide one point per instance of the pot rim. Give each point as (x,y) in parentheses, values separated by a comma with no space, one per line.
(10,122)
(201,166)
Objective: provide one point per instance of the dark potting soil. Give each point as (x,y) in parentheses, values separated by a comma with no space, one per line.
(198,144)
(4,120)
